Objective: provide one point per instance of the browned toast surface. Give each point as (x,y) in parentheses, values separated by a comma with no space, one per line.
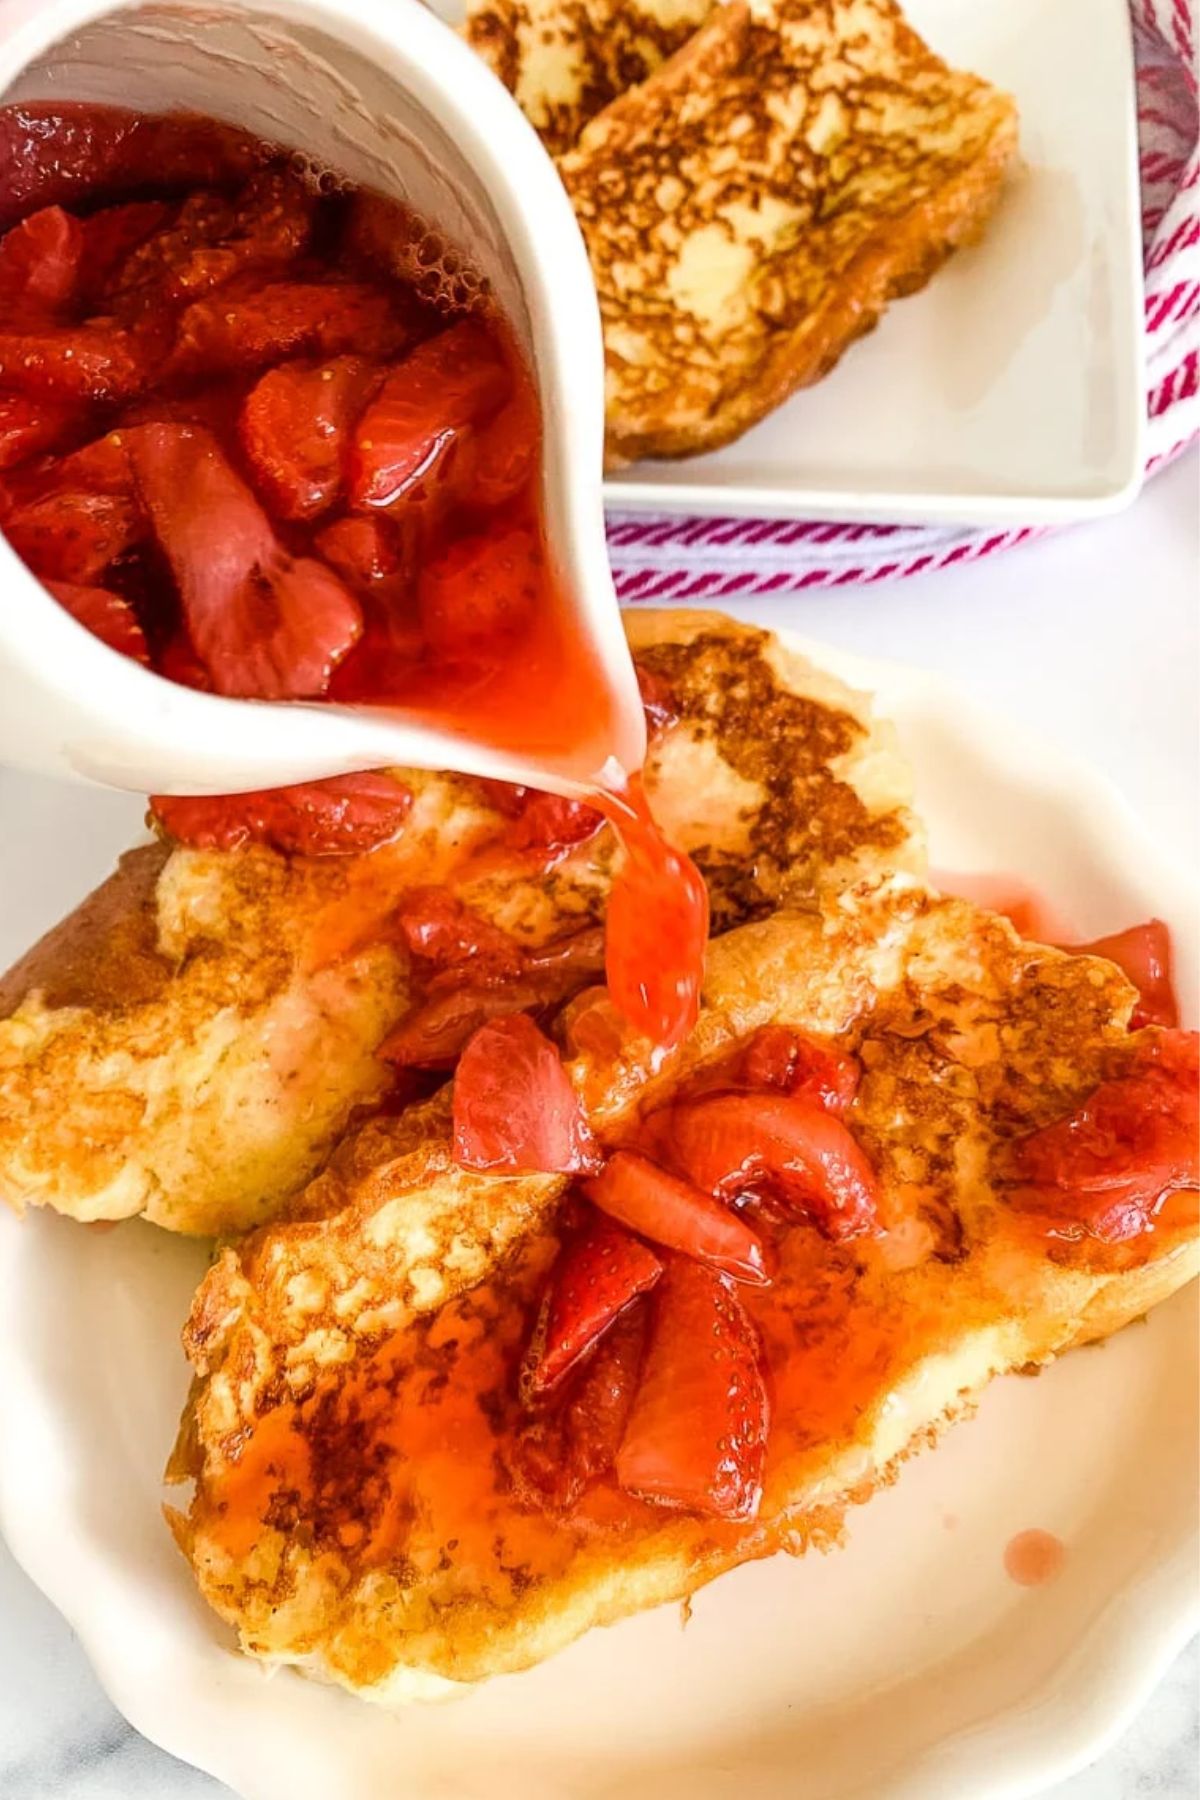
(564,60)
(754,205)
(364,1505)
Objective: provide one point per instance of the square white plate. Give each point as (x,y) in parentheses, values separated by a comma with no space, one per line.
(1011,388)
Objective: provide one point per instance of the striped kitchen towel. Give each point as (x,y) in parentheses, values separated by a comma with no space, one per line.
(674,558)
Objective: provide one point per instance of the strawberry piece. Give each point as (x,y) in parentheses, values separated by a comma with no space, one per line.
(73,536)
(697,1433)
(181,258)
(500,459)
(480,592)
(177,661)
(212,239)
(1104,1170)
(378,561)
(106,615)
(450,938)
(52,152)
(39,262)
(264,623)
(658,702)
(596,1276)
(542,822)
(560,1454)
(435,1035)
(74,519)
(29,426)
(295,428)
(110,237)
(96,361)
(345,816)
(635,1192)
(250,326)
(376,558)
(727,1143)
(515,1111)
(657,934)
(548,822)
(1143,952)
(778,1057)
(406,437)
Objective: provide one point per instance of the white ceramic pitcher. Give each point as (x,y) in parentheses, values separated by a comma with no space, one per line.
(384,93)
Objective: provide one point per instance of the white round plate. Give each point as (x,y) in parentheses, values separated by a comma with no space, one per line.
(905,1667)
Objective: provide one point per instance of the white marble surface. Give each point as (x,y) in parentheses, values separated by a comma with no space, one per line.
(1092,636)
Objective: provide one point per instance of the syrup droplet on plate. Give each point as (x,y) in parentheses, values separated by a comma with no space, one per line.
(1034,1557)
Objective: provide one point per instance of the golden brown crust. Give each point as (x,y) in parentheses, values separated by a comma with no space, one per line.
(104,955)
(752,208)
(564,60)
(356,1507)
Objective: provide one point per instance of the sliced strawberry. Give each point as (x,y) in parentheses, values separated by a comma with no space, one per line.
(595,1277)
(345,816)
(180,258)
(727,1143)
(265,624)
(559,1454)
(177,661)
(253,325)
(406,436)
(39,262)
(778,1057)
(295,429)
(107,616)
(569,961)
(435,1035)
(634,1191)
(29,426)
(449,938)
(72,536)
(1104,1169)
(71,521)
(658,702)
(378,561)
(500,459)
(110,237)
(697,1434)
(213,238)
(548,822)
(515,1111)
(481,592)
(376,557)
(1143,952)
(96,361)
(657,934)
(53,151)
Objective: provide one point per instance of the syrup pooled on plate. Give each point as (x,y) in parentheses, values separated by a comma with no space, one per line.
(268,434)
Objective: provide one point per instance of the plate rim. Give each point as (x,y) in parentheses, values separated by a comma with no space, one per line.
(1158,1610)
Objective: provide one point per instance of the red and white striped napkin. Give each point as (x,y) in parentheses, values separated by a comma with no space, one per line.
(680,559)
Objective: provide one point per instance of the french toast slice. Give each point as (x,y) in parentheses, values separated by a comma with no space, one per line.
(754,205)
(190,1044)
(564,60)
(374,1502)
